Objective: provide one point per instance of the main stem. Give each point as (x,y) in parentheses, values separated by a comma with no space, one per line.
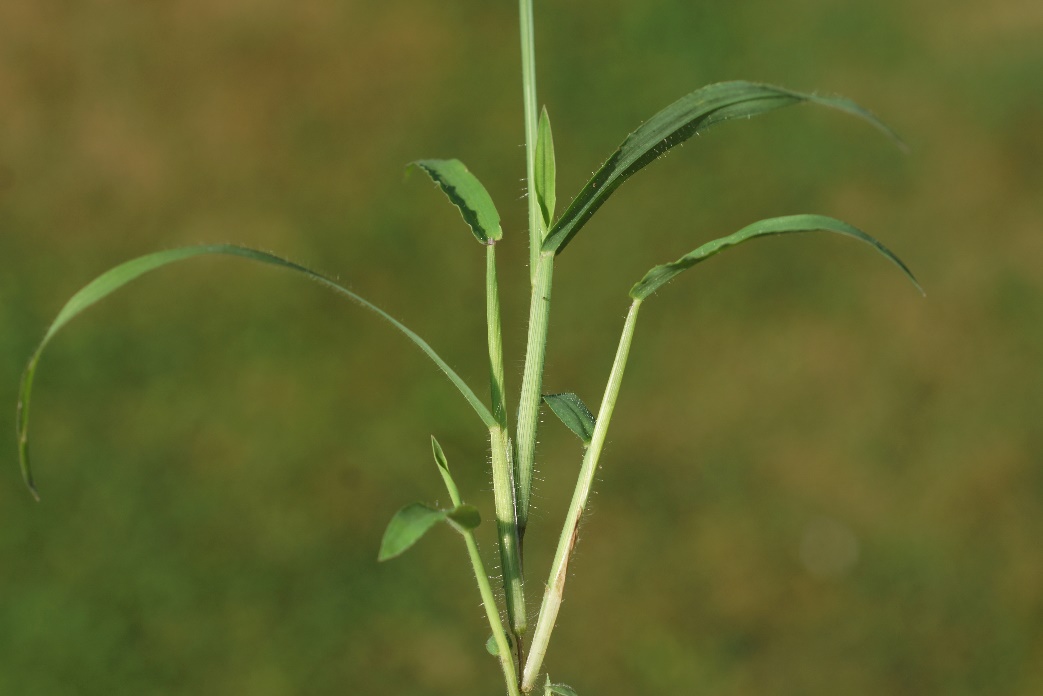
(528,52)
(503,468)
(532,384)
(541,272)
(556,583)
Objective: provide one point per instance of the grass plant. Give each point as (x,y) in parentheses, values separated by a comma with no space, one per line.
(521,648)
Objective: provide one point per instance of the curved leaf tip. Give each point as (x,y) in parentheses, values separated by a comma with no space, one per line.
(689,115)
(661,275)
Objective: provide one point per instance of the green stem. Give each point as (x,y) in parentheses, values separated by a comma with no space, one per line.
(532,384)
(510,674)
(503,469)
(541,270)
(528,52)
(507,529)
(556,583)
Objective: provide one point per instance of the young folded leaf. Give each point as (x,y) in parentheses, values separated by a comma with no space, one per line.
(467,194)
(660,275)
(413,521)
(443,469)
(546,171)
(573,413)
(673,125)
(117,277)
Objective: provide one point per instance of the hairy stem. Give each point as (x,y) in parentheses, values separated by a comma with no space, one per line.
(503,469)
(541,272)
(507,528)
(532,384)
(510,674)
(556,583)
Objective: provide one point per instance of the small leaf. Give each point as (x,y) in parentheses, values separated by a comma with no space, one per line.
(406,527)
(672,126)
(443,469)
(660,275)
(573,413)
(546,176)
(464,518)
(117,277)
(560,689)
(467,194)
(494,649)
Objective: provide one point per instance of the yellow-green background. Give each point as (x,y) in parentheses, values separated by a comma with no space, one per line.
(220,446)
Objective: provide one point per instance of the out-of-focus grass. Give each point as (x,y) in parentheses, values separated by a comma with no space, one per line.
(848,480)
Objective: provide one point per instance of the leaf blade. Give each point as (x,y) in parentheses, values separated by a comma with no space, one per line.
(406,528)
(689,115)
(468,194)
(571,410)
(662,274)
(115,278)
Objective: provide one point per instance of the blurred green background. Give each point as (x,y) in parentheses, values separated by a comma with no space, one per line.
(816,482)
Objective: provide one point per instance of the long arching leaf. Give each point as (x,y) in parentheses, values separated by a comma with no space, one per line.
(466,193)
(673,125)
(119,276)
(661,275)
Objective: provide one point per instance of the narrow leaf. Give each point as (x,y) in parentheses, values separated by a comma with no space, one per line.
(467,194)
(119,276)
(561,690)
(660,275)
(464,518)
(672,126)
(443,469)
(406,527)
(573,413)
(546,171)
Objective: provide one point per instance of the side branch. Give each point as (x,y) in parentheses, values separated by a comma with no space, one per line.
(556,583)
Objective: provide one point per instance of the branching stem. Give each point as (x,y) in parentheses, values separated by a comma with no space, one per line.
(492,613)
(556,583)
